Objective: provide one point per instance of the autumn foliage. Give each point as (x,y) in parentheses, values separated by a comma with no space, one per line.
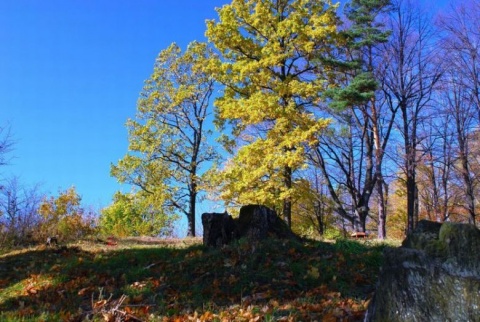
(64,217)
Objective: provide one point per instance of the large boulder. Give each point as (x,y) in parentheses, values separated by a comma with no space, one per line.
(254,223)
(257,222)
(218,229)
(434,276)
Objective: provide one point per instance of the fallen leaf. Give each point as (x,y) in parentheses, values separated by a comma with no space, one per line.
(329,317)
(138,298)
(84,290)
(313,272)
(108,317)
(98,304)
(32,291)
(55,268)
(145,309)
(232,279)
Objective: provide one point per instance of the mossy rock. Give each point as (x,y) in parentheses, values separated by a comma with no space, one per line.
(425,232)
(462,247)
(461,238)
(436,249)
(435,276)
(456,244)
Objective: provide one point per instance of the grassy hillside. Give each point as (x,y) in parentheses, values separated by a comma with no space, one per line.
(152,281)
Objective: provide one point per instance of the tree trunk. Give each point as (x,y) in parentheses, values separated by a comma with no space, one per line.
(410,186)
(319,214)
(191,213)
(382,213)
(191,225)
(321,228)
(410,180)
(379,153)
(362,213)
(333,194)
(465,172)
(287,202)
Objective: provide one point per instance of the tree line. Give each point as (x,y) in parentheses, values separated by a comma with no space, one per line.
(361,118)
(356,118)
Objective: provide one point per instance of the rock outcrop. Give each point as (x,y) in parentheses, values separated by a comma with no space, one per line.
(259,222)
(218,229)
(434,276)
(255,223)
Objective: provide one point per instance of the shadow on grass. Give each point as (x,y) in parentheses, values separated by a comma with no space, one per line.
(290,277)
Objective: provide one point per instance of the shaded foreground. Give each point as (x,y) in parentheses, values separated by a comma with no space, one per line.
(272,281)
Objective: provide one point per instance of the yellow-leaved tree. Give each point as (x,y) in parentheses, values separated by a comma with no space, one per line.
(271,68)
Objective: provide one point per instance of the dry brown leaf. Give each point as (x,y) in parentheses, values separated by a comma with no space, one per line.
(99,304)
(84,290)
(108,317)
(137,299)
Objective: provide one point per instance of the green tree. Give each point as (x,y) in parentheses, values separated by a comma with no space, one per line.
(132,215)
(360,104)
(168,138)
(271,88)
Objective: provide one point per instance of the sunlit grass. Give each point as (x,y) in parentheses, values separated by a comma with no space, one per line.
(271,280)
(28,287)
(11,292)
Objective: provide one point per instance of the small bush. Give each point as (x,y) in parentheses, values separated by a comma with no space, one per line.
(65,218)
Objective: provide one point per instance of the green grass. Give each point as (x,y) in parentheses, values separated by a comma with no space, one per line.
(272,280)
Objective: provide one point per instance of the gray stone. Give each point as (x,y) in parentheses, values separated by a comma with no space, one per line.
(218,229)
(425,232)
(255,223)
(434,276)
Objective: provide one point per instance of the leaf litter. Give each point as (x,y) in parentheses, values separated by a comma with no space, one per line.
(273,281)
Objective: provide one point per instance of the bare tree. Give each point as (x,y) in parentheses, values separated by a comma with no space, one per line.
(461,45)
(367,123)
(370,33)
(461,30)
(436,167)
(6,144)
(345,156)
(411,75)
(460,105)
(19,206)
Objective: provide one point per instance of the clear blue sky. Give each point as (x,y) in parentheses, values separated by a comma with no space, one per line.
(70,74)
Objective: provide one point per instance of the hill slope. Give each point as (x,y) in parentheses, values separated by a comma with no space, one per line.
(147,281)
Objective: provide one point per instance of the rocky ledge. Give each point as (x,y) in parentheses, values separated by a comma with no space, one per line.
(434,276)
